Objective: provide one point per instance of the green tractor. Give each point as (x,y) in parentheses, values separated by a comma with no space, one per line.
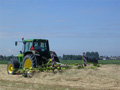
(35,53)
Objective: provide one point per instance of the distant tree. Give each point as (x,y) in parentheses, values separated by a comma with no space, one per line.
(1,57)
(92,55)
(88,54)
(60,57)
(96,55)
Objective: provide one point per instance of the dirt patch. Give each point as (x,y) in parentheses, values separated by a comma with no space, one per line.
(103,78)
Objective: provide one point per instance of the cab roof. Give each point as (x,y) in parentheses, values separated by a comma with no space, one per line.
(28,40)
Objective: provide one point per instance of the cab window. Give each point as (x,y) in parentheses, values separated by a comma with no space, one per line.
(26,46)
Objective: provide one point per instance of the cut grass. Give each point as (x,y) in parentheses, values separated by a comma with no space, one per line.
(106,77)
(16,85)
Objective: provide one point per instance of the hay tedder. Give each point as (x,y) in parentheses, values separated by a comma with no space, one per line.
(35,53)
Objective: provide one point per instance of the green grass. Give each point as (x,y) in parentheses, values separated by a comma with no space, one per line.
(99,61)
(109,62)
(3,62)
(80,62)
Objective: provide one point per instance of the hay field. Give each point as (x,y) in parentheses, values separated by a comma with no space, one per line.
(106,77)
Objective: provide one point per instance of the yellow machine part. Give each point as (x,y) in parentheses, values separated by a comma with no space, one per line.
(28,64)
(10,68)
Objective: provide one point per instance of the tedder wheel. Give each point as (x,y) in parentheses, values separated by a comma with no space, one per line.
(29,61)
(12,66)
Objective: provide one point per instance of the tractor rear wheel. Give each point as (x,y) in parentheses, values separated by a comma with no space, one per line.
(13,66)
(29,61)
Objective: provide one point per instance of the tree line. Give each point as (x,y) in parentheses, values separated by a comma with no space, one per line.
(79,57)
(6,58)
(72,57)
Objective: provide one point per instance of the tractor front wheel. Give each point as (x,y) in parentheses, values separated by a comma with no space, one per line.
(12,66)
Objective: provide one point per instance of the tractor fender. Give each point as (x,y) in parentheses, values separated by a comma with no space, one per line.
(32,52)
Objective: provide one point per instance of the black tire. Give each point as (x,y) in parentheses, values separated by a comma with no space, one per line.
(56,59)
(32,59)
(13,66)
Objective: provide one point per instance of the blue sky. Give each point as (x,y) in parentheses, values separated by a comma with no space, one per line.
(71,26)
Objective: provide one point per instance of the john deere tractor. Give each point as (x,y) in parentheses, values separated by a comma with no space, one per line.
(35,53)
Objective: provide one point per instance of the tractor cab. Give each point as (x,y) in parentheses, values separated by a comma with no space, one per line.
(35,46)
(40,45)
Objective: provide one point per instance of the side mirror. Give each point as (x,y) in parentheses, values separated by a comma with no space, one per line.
(20,52)
(16,43)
